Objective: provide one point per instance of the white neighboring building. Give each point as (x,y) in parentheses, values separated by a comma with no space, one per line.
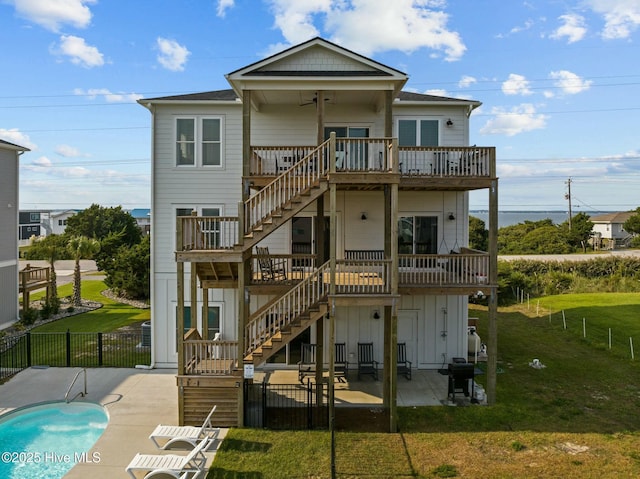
(609,227)
(386,203)
(58,221)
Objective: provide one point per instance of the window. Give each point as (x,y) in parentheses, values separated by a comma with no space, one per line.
(199,141)
(213,321)
(185,141)
(418,132)
(418,235)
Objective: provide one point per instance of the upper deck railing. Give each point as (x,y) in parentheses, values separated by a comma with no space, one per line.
(376,155)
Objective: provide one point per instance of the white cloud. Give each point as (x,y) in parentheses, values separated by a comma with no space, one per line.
(223,6)
(519,119)
(44,165)
(569,82)
(405,25)
(621,16)
(79,52)
(16,137)
(173,56)
(70,152)
(52,14)
(516,85)
(466,81)
(573,28)
(437,92)
(109,96)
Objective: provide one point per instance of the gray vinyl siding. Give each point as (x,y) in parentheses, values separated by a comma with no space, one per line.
(8,293)
(8,205)
(8,236)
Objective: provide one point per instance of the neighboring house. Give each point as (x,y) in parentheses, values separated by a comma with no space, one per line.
(609,227)
(58,221)
(143,219)
(30,224)
(9,156)
(315,128)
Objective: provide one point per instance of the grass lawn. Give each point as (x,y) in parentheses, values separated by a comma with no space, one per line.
(109,318)
(577,418)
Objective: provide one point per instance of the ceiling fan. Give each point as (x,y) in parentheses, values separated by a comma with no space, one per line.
(312,101)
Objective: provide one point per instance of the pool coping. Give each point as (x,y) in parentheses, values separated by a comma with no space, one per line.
(136,401)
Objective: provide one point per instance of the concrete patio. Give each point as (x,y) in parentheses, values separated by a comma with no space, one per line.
(139,399)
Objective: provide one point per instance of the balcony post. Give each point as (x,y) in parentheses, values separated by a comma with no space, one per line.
(332,152)
(246,142)
(492,342)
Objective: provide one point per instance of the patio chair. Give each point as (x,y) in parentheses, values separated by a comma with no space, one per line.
(404,365)
(307,363)
(192,463)
(366,363)
(341,365)
(270,269)
(184,437)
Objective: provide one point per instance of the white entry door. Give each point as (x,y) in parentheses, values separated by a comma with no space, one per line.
(408,333)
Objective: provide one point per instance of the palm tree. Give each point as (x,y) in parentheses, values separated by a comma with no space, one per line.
(80,247)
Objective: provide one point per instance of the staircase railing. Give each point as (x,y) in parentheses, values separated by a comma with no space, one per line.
(286,309)
(300,177)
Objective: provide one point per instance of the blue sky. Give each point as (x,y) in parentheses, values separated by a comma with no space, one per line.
(559,82)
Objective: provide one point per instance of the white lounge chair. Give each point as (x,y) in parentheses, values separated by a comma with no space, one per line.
(184,437)
(182,467)
(168,474)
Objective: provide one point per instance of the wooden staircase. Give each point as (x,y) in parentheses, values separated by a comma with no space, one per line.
(285,196)
(282,214)
(285,317)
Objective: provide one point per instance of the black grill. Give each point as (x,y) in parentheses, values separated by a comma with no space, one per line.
(461,373)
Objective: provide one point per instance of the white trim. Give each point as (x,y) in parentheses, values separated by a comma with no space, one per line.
(9,262)
(197,141)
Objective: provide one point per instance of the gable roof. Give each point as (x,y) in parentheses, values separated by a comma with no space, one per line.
(316,65)
(618,217)
(317,57)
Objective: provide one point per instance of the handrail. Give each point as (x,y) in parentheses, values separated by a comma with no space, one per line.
(81,393)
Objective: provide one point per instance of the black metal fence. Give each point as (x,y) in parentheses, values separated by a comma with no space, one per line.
(286,406)
(116,350)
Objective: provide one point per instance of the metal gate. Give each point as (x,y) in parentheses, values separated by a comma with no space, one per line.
(286,406)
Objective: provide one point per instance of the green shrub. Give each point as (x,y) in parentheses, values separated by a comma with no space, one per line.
(29,316)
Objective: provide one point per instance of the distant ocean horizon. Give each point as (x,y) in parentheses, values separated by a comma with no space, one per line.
(508,218)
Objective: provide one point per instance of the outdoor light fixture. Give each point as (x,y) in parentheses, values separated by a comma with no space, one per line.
(363,216)
(376,314)
(449,122)
(452,217)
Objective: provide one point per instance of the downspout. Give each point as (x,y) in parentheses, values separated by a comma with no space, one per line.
(152,110)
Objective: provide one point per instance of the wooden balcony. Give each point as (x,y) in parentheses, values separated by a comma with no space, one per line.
(369,161)
(463,273)
(210,358)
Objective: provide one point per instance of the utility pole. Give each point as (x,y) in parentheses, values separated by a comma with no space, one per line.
(567,196)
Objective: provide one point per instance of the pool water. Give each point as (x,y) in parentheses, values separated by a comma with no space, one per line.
(46,441)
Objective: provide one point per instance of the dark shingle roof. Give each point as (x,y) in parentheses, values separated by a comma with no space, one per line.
(216,95)
(411,96)
(229,95)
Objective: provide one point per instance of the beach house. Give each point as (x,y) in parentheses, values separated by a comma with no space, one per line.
(314,202)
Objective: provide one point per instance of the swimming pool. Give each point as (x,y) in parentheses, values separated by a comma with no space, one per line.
(47,440)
